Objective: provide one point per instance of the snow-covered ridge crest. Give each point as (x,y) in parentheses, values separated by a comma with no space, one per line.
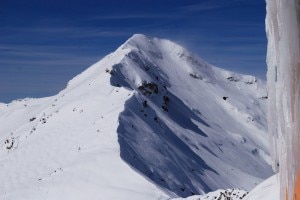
(153,49)
(184,125)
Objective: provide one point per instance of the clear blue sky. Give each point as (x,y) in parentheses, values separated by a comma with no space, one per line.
(43,44)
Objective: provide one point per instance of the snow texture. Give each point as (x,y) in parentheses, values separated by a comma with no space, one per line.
(149,121)
(283,58)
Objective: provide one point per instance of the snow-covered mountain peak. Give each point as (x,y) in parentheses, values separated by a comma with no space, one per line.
(171,61)
(185,126)
(156,48)
(157,51)
(145,43)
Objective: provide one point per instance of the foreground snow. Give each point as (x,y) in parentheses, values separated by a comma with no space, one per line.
(231,194)
(267,190)
(183,126)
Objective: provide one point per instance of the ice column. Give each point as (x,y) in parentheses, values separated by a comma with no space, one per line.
(283,59)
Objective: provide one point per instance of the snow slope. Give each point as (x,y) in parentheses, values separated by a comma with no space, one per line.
(182,126)
(66,146)
(229,194)
(267,190)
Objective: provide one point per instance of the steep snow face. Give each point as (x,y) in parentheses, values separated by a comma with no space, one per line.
(190,127)
(283,31)
(185,126)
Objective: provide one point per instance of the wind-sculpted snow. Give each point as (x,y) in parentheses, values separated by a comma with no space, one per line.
(183,126)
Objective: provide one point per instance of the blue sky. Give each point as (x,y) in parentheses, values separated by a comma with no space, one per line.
(43,44)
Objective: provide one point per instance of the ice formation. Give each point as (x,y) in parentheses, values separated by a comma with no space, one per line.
(283,58)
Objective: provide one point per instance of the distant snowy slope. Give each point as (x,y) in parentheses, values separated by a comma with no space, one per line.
(183,126)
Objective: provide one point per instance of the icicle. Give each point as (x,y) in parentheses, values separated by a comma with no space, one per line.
(283,58)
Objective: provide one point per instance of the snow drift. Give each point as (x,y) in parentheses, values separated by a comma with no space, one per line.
(183,127)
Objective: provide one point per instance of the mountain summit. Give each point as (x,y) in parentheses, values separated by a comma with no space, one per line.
(148,121)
